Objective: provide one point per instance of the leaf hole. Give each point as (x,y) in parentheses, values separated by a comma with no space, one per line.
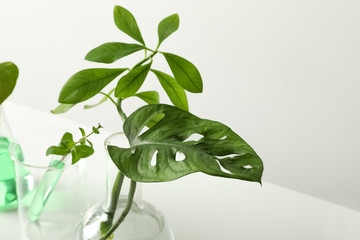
(144,129)
(153,161)
(224,169)
(180,156)
(228,156)
(223,138)
(194,137)
(247,167)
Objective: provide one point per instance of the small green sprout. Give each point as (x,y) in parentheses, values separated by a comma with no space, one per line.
(83,148)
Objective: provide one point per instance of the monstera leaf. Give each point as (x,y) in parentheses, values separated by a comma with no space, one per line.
(168,150)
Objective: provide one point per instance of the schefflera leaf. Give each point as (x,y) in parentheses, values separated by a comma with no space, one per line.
(153,155)
(150,97)
(174,91)
(126,22)
(130,83)
(87,83)
(112,51)
(168,26)
(185,73)
(62,108)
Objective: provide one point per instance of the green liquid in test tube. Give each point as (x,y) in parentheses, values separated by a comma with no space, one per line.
(45,189)
(8,197)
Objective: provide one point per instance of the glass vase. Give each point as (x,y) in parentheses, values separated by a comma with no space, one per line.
(143,222)
(8,197)
(51,198)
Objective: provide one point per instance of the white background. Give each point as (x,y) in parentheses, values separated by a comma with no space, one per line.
(283,74)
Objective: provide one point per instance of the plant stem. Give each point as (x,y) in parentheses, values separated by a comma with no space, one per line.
(120,177)
(108,95)
(61,160)
(120,111)
(125,211)
(115,193)
(83,138)
(145,59)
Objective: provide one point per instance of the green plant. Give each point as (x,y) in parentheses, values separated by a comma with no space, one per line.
(156,128)
(8,76)
(82,148)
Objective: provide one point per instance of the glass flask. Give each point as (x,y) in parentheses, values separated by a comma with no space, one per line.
(144,221)
(8,197)
(52,198)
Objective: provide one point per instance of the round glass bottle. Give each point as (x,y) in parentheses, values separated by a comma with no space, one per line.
(143,222)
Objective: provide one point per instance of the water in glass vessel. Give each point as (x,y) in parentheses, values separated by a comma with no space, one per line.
(144,222)
(8,196)
(8,199)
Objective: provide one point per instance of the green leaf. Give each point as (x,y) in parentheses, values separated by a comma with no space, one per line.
(56,150)
(82,132)
(129,84)
(67,141)
(167,26)
(62,108)
(150,97)
(87,83)
(81,151)
(74,156)
(67,137)
(84,151)
(154,120)
(126,22)
(8,76)
(185,73)
(219,151)
(112,51)
(90,143)
(95,130)
(175,92)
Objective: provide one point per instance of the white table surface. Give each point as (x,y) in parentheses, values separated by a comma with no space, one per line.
(200,207)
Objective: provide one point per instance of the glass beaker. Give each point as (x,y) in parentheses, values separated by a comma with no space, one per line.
(52,199)
(8,198)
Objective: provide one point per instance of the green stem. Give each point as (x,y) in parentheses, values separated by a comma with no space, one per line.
(60,161)
(108,96)
(150,50)
(120,111)
(79,141)
(157,47)
(145,59)
(125,211)
(118,104)
(115,193)
(119,180)
(83,138)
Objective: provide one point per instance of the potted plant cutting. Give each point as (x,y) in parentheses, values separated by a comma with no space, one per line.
(157,133)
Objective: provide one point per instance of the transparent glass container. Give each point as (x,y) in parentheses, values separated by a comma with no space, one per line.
(144,221)
(52,196)
(8,197)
